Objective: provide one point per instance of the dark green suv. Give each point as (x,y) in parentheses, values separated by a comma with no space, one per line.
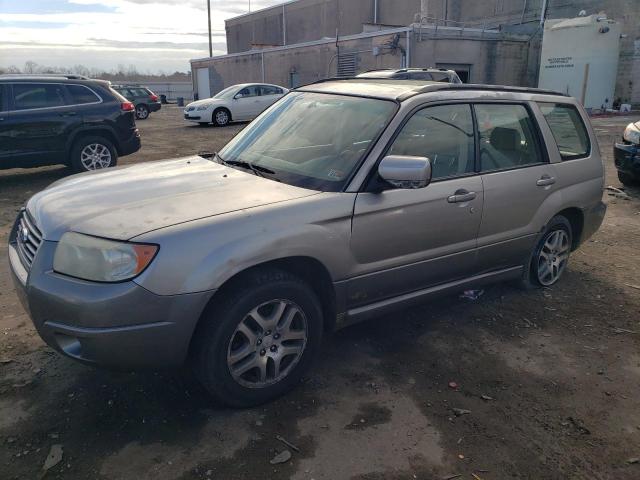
(144,99)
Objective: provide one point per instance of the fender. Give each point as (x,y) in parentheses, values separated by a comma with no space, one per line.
(90,128)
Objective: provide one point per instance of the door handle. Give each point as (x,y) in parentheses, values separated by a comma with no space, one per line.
(461,196)
(545,181)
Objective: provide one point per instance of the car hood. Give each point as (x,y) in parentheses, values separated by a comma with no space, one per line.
(205,101)
(127,201)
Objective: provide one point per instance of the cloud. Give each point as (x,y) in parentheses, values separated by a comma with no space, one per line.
(160,34)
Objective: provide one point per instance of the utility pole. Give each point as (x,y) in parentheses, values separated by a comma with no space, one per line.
(209,20)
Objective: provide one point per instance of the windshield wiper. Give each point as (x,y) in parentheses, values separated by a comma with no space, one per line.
(258,170)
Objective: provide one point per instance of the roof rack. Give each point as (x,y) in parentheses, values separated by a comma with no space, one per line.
(437,86)
(69,76)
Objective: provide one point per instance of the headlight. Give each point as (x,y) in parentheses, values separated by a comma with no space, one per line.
(631,133)
(100,260)
(202,107)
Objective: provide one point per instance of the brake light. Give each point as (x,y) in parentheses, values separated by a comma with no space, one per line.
(153,97)
(127,107)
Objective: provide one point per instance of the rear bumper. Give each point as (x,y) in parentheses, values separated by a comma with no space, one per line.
(118,325)
(627,158)
(131,145)
(154,107)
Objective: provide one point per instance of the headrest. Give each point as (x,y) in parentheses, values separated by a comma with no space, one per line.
(505,138)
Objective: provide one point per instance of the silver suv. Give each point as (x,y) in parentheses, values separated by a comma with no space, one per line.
(344,200)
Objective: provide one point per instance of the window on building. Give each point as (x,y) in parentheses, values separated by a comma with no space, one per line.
(507,137)
(81,95)
(37,95)
(444,134)
(568,130)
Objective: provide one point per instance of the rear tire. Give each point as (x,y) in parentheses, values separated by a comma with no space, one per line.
(221,117)
(142,112)
(93,153)
(627,179)
(257,341)
(550,256)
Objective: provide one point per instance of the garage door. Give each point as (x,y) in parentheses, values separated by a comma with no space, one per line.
(202,74)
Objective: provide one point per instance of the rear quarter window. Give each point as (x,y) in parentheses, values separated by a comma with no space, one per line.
(568,130)
(81,95)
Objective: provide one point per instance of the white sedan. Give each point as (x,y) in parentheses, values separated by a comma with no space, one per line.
(236,103)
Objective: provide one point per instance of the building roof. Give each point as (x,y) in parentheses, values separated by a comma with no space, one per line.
(400,90)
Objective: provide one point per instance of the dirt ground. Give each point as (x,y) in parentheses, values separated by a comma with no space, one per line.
(548,380)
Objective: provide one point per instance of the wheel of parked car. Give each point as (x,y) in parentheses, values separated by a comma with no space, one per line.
(627,179)
(142,112)
(259,339)
(551,255)
(93,153)
(221,117)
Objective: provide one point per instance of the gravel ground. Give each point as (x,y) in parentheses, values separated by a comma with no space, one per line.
(546,381)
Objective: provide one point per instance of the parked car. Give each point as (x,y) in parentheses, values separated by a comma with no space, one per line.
(428,74)
(46,120)
(344,200)
(627,155)
(144,99)
(236,103)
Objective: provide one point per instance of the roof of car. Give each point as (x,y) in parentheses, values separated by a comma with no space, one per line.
(16,78)
(400,90)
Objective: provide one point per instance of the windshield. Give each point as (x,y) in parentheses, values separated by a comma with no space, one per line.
(311,140)
(227,93)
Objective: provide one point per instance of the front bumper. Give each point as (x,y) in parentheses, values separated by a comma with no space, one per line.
(119,325)
(192,116)
(627,158)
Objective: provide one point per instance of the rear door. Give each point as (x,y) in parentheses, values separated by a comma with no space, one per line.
(269,94)
(6,143)
(40,119)
(406,240)
(517,179)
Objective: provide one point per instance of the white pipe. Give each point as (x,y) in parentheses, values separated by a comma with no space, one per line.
(543,12)
(284,27)
(262,59)
(408,50)
(375,11)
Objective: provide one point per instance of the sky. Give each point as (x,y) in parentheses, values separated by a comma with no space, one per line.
(154,35)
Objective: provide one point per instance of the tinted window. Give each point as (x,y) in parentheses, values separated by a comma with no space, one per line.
(3,107)
(444,134)
(252,91)
(568,130)
(30,95)
(507,137)
(269,90)
(80,95)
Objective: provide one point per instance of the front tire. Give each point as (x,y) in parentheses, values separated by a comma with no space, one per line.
(257,341)
(551,255)
(221,117)
(142,112)
(93,153)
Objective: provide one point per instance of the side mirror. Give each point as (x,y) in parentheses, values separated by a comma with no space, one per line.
(406,172)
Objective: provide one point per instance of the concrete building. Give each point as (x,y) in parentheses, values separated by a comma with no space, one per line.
(488,41)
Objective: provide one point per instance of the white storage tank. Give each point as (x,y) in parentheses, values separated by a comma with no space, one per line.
(580,57)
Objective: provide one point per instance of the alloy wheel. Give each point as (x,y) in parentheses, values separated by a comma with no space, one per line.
(222,117)
(553,257)
(142,112)
(267,344)
(95,156)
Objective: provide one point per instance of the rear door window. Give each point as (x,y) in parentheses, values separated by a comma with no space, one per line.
(568,130)
(27,96)
(508,137)
(269,90)
(81,95)
(3,106)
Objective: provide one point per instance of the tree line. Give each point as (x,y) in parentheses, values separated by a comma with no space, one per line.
(121,73)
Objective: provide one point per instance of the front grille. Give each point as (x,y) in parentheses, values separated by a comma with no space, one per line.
(28,239)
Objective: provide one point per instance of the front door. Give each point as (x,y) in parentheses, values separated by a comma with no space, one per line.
(247,103)
(517,180)
(405,240)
